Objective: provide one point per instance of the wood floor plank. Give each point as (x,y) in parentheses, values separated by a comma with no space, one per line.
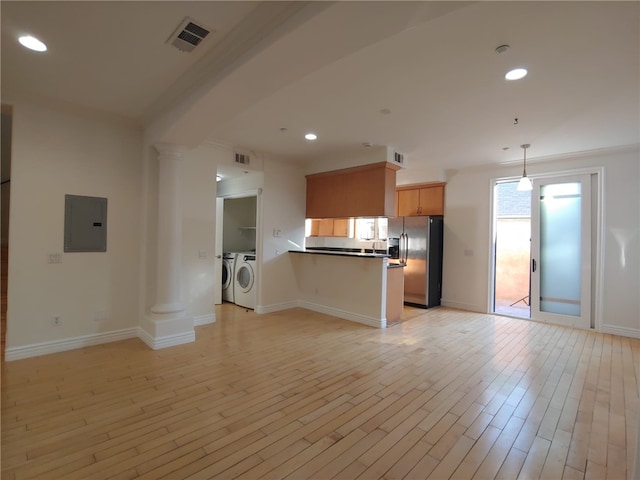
(299,394)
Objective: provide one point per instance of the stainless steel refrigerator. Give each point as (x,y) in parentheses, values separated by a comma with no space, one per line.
(420,248)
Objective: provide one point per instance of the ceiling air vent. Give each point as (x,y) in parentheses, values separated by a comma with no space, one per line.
(398,158)
(188,35)
(242,159)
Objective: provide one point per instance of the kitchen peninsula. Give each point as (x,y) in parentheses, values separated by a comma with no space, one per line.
(350,285)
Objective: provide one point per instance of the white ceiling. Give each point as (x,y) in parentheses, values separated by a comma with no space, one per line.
(332,68)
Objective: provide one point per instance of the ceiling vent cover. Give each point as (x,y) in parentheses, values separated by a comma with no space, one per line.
(398,158)
(242,159)
(188,35)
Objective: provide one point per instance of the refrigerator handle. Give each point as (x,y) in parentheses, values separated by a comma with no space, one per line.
(406,248)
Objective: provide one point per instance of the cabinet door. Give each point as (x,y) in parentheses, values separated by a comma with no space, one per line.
(408,202)
(326,227)
(341,227)
(315,228)
(432,200)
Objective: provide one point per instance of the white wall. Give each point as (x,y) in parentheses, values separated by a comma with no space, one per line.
(282,208)
(56,152)
(467,244)
(198,232)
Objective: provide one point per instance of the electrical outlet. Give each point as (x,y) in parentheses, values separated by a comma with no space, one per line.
(56,320)
(54,258)
(100,315)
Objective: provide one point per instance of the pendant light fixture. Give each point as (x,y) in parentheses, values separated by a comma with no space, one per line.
(525,184)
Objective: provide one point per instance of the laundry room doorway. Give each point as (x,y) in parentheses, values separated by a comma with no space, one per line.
(236,236)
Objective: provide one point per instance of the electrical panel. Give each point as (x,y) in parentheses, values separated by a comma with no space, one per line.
(85,224)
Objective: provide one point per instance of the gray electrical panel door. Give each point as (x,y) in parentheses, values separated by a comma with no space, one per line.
(85,224)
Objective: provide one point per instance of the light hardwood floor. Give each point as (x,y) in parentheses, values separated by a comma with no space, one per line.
(297,395)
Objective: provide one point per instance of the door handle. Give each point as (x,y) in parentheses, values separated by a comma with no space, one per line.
(218,256)
(533,264)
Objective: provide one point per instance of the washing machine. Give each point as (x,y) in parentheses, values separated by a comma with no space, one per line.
(228,273)
(244,287)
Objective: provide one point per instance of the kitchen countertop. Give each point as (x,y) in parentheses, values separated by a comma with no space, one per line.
(348,253)
(344,253)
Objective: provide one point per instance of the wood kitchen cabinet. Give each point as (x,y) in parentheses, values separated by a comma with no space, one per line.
(364,191)
(330,227)
(426,199)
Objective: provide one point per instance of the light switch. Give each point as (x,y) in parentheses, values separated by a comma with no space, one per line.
(277,232)
(202,254)
(54,258)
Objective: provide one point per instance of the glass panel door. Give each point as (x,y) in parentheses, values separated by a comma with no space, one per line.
(561,251)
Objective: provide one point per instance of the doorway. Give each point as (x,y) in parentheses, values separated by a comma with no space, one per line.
(543,261)
(512,226)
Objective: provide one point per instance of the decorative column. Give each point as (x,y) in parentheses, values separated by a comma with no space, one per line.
(168,262)
(168,324)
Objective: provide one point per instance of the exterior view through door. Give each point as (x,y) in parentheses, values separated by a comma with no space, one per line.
(542,266)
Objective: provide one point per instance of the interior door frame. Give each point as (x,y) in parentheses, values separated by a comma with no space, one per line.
(257,272)
(598,202)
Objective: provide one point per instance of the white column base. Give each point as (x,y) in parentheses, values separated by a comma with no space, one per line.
(167,308)
(162,330)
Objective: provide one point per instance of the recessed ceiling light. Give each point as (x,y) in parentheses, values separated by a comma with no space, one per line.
(32,43)
(516,74)
(310,136)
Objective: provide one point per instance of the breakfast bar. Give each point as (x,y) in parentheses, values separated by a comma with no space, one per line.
(347,284)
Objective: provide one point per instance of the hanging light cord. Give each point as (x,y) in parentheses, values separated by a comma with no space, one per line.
(524,147)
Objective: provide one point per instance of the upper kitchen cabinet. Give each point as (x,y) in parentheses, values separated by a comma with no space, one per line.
(364,191)
(426,199)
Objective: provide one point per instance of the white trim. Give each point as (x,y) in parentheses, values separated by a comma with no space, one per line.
(621,331)
(166,341)
(55,346)
(598,274)
(204,319)
(463,306)
(336,312)
(276,307)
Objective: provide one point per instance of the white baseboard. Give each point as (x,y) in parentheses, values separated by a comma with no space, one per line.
(166,341)
(354,317)
(621,331)
(204,319)
(276,307)
(55,346)
(461,306)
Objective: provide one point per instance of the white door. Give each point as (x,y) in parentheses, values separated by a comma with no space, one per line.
(561,250)
(217,267)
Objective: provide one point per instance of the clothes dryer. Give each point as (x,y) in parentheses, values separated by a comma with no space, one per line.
(245,281)
(228,273)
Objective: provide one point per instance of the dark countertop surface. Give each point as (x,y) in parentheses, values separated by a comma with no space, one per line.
(350,252)
(368,253)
